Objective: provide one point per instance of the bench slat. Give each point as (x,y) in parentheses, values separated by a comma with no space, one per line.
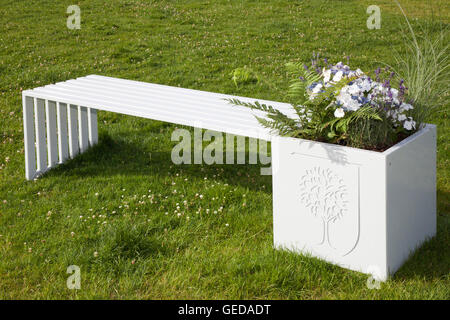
(83,128)
(41,143)
(52,138)
(92,123)
(62,132)
(72,112)
(29,137)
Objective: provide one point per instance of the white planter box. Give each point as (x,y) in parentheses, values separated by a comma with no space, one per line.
(363,210)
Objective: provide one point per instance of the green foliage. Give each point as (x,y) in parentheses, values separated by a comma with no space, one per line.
(424,65)
(338,128)
(243,75)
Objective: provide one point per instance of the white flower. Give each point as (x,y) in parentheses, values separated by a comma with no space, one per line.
(326,75)
(338,76)
(409,124)
(347,102)
(317,88)
(406,107)
(353,89)
(401,117)
(366,85)
(339,113)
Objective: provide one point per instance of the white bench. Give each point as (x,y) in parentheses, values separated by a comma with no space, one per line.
(62,117)
(363,210)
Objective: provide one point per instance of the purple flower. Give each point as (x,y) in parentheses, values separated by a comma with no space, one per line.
(377,72)
(390,94)
(401,88)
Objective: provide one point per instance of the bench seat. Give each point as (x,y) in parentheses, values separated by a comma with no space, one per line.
(45,107)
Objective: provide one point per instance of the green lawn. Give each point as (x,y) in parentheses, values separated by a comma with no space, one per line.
(113,199)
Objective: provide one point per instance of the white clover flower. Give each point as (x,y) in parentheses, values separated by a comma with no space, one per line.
(339,113)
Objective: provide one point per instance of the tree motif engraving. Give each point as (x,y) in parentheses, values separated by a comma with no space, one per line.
(325,195)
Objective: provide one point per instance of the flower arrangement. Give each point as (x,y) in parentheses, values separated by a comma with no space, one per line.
(335,104)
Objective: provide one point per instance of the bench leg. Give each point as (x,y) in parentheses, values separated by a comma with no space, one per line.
(55,131)
(52,137)
(83,128)
(62,132)
(92,123)
(29,139)
(72,112)
(41,143)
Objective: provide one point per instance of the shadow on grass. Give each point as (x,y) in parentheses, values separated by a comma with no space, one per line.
(112,157)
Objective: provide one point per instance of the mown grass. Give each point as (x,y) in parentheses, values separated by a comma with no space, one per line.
(113,199)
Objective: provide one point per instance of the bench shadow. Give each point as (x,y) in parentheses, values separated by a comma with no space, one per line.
(118,157)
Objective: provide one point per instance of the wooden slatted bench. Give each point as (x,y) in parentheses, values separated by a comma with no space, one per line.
(61,118)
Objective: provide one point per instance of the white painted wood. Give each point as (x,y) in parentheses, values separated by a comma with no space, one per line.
(161,112)
(410,196)
(92,123)
(41,143)
(52,138)
(63,150)
(72,112)
(83,128)
(29,138)
(140,96)
(363,210)
(159,102)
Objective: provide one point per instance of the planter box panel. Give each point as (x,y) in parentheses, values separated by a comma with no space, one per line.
(356,208)
(411,195)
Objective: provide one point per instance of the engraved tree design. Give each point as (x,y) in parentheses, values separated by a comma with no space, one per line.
(325,195)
